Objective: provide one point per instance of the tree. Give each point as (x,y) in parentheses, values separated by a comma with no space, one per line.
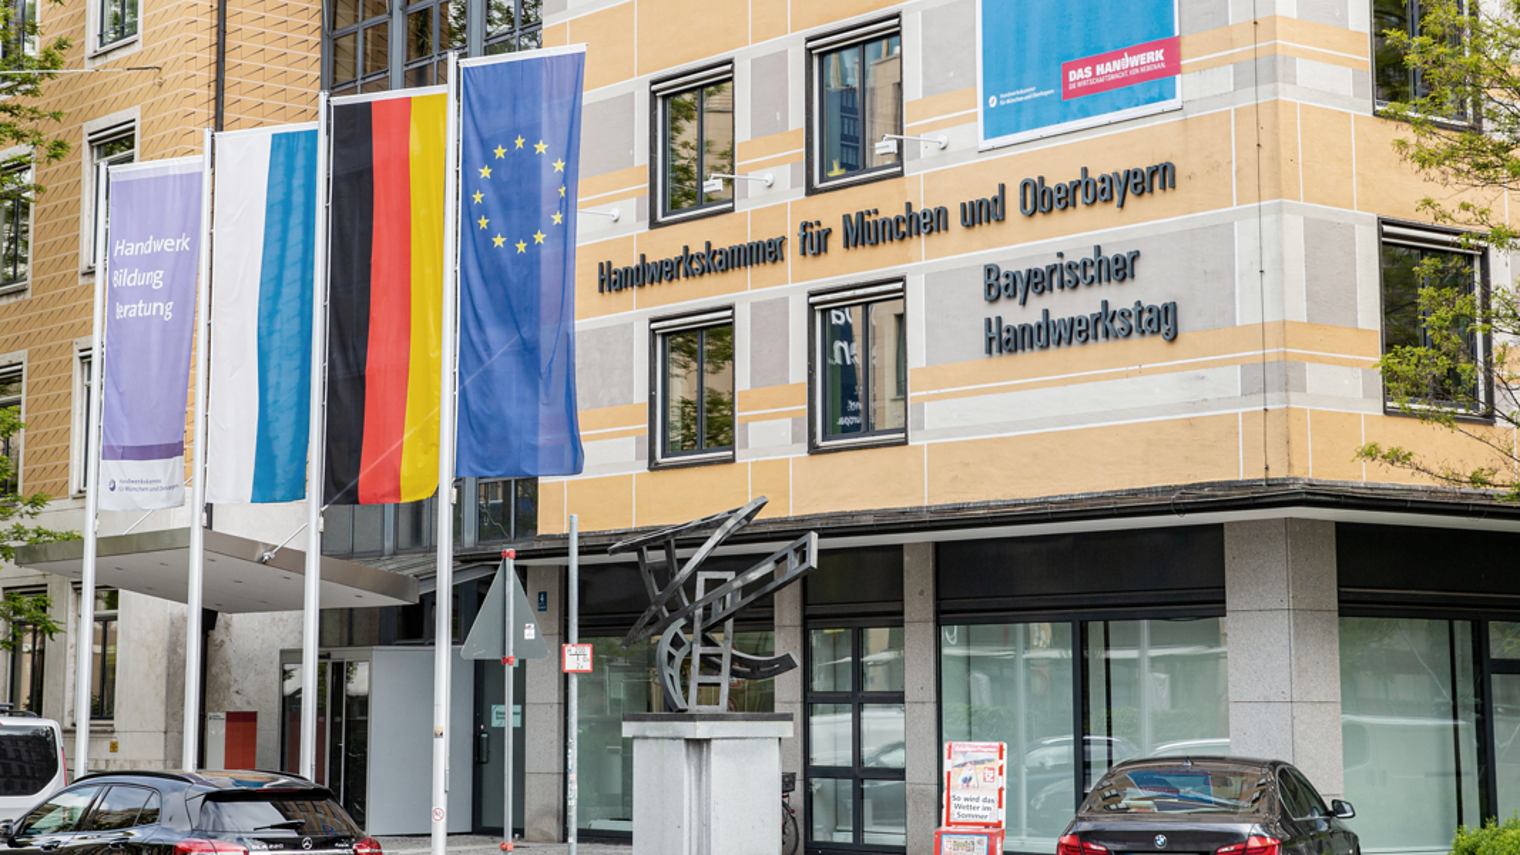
(1449,354)
(16,510)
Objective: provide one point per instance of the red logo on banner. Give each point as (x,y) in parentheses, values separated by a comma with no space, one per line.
(1120,68)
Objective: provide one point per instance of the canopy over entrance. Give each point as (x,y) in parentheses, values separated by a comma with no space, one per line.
(238,578)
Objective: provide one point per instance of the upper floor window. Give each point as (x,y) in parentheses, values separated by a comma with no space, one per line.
(857,100)
(1429,285)
(16,231)
(432,30)
(485,511)
(10,446)
(514,25)
(695,117)
(359,45)
(82,422)
(694,389)
(110,148)
(23,29)
(860,366)
(1393,79)
(118,22)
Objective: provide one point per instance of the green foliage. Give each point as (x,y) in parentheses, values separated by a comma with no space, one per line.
(1494,838)
(16,510)
(25,64)
(1461,103)
(19,612)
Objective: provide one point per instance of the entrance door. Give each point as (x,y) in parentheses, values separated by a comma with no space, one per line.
(342,729)
(490,739)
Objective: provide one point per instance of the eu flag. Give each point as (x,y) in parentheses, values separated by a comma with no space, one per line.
(520,126)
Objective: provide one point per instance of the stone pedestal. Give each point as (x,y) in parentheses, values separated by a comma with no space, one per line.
(707,783)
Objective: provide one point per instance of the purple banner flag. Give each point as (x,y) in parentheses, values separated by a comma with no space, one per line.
(153,245)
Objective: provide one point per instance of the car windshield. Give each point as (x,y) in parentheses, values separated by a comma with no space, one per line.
(1186,789)
(28,759)
(301,817)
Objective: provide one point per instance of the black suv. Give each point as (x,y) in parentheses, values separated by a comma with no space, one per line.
(187,813)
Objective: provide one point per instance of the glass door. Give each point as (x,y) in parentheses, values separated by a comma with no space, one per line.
(342,755)
(856,739)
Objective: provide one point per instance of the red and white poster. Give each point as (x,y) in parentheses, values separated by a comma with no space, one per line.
(1119,68)
(975,783)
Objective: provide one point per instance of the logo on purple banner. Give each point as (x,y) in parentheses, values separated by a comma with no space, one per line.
(153,246)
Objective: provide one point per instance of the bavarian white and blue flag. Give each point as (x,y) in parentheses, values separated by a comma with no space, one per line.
(520,129)
(264,214)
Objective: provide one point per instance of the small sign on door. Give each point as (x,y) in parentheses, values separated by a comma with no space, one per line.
(577,658)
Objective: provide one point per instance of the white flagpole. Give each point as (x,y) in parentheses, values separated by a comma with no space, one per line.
(85,636)
(443,648)
(192,741)
(312,601)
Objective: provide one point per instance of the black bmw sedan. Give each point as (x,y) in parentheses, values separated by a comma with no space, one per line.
(1210,806)
(187,813)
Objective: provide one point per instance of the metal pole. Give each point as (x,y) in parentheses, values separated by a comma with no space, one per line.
(83,646)
(509,564)
(192,735)
(311,600)
(443,647)
(573,601)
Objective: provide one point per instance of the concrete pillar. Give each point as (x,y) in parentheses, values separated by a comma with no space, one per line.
(789,639)
(1282,620)
(921,659)
(544,716)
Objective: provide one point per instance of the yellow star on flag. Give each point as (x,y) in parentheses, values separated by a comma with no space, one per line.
(479,195)
(500,152)
(540,147)
(559,166)
(498,241)
(561,193)
(522,246)
(538,237)
(519,141)
(483,222)
(559,218)
(485,172)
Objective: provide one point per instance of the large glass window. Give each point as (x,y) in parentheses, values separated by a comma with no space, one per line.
(103,667)
(111,148)
(1149,688)
(862,373)
(514,25)
(1407,271)
(26,665)
(358,44)
(856,736)
(10,446)
(16,232)
(697,391)
(696,141)
(485,511)
(1410,736)
(1395,81)
(857,101)
(432,29)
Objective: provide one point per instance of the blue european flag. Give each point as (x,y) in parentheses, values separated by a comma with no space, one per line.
(520,128)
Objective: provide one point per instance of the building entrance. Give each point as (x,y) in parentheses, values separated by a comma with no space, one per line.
(342,756)
(491,720)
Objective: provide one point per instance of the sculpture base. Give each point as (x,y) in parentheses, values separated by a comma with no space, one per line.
(707,783)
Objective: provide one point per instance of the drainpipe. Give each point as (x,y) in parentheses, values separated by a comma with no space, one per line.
(221,63)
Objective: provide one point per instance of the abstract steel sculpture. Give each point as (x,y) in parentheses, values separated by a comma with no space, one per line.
(685,622)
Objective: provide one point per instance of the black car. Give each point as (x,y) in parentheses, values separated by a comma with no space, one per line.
(187,813)
(1211,805)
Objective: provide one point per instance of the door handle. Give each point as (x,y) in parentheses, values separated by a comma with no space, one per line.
(117,845)
(483,747)
(49,846)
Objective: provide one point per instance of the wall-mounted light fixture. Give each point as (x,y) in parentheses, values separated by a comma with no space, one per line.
(612,213)
(888,144)
(714,182)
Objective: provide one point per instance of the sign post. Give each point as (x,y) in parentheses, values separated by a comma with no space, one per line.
(976,799)
(573,601)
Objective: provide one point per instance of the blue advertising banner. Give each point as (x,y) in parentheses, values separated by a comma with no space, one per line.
(1047,67)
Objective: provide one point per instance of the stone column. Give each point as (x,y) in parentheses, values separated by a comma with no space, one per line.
(1282,619)
(790,639)
(544,716)
(921,657)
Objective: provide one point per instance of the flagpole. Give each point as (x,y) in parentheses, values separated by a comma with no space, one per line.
(443,647)
(193,652)
(312,598)
(83,640)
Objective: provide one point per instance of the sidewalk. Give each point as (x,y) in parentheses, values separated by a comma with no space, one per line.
(476,844)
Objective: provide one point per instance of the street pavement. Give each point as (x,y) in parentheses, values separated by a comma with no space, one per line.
(476,844)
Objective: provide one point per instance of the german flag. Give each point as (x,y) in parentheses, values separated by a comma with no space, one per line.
(385,298)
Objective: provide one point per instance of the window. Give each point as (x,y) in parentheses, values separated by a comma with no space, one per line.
(860,366)
(504,509)
(432,29)
(23,24)
(110,148)
(358,44)
(59,814)
(120,808)
(118,21)
(16,231)
(856,101)
(694,388)
(103,668)
(357,37)
(695,117)
(26,666)
(82,415)
(514,25)
(1393,80)
(1416,261)
(10,446)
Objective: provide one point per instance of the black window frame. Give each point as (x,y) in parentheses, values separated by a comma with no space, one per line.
(819,302)
(1412,77)
(524,32)
(660,93)
(1433,239)
(817,48)
(338,521)
(103,668)
(23,18)
(362,30)
(130,23)
(659,329)
(33,645)
(104,149)
(11,446)
(16,235)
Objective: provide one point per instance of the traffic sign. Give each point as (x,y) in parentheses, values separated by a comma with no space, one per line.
(577,658)
(487,639)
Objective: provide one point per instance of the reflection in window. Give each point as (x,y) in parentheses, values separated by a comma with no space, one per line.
(1394,81)
(103,667)
(118,21)
(15,234)
(698,406)
(358,45)
(859,101)
(1407,271)
(697,141)
(865,380)
(513,25)
(10,446)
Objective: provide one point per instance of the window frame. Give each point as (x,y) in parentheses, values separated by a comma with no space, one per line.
(99,198)
(379,81)
(1438,239)
(101,682)
(818,47)
(500,41)
(1412,78)
(660,93)
(659,329)
(16,370)
(100,14)
(84,378)
(38,654)
(819,440)
(23,221)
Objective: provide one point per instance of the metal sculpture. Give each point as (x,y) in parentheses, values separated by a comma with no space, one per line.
(685,621)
